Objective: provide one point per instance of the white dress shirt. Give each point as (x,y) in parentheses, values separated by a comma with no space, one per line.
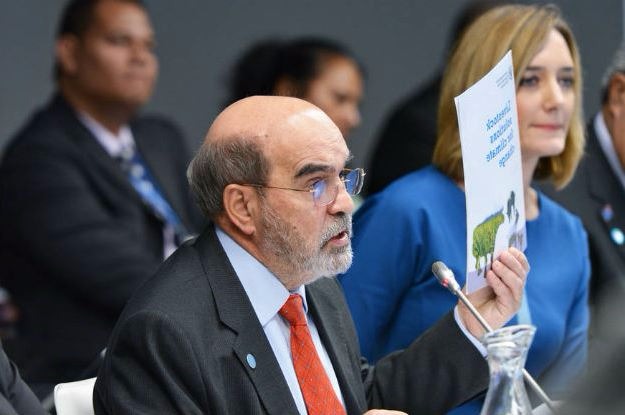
(605,142)
(268,295)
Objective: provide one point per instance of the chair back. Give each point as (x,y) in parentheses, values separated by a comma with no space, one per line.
(74,398)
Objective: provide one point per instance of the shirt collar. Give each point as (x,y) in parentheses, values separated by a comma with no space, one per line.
(605,142)
(113,144)
(263,288)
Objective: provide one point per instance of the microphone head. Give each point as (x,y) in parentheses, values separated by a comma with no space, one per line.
(445,277)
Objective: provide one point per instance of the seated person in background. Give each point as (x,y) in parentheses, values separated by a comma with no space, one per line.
(421,218)
(597,191)
(406,141)
(16,398)
(92,196)
(241,321)
(318,70)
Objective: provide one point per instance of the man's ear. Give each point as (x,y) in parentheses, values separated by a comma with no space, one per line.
(241,207)
(65,50)
(616,94)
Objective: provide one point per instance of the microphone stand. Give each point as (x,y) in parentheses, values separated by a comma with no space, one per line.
(446,278)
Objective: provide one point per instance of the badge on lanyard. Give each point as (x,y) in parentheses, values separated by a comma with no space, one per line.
(617,235)
(607,213)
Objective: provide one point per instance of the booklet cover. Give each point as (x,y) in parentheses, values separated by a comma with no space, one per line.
(493,181)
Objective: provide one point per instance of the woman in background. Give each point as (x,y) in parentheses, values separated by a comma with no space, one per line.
(317,70)
(421,218)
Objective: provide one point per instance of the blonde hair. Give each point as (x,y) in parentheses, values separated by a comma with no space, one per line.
(524,30)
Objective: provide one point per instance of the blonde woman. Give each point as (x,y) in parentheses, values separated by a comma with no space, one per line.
(421,217)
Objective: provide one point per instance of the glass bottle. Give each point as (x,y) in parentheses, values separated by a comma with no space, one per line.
(507,350)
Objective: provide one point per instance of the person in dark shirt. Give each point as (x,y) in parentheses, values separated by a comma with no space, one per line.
(93,196)
(406,141)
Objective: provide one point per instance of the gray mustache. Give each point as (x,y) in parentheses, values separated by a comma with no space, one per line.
(342,224)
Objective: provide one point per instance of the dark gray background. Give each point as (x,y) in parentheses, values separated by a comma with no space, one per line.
(401,43)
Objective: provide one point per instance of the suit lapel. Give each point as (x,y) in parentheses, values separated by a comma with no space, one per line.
(605,188)
(88,145)
(235,311)
(322,304)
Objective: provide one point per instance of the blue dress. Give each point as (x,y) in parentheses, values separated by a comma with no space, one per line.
(421,218)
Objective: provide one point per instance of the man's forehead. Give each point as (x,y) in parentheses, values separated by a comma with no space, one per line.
(301,155)
(119,14)
(308,130)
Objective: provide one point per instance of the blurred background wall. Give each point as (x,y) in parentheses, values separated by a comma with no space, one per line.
(401,42)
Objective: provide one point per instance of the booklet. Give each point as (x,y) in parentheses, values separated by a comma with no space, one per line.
(493,181)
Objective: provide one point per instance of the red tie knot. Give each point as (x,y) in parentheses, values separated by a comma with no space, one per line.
(293,310)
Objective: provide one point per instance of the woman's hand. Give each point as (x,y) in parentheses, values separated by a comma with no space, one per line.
(501,299)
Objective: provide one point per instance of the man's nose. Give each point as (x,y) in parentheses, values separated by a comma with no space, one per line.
(140,52)
(354,117)
(343,202)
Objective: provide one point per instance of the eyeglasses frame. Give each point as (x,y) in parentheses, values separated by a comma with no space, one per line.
(342,178)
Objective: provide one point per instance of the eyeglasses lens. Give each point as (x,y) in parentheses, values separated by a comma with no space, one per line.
(320,192)
(353,181)
(324,192)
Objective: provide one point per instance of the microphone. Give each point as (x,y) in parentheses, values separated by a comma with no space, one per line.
(446,278)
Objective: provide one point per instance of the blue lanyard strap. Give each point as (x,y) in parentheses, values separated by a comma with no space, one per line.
(145,184)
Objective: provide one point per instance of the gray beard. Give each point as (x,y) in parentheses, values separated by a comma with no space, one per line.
(297,260)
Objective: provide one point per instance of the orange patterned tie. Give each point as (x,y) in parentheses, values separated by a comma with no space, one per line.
(313,380)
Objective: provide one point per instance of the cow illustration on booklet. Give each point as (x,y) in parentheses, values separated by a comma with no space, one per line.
(485,235)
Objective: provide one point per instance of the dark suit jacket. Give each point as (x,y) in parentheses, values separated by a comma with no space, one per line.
(406,142)
(75,237)
(592,190)
(15,396)
(181,347)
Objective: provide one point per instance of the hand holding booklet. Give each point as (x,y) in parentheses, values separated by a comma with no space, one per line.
(493,181)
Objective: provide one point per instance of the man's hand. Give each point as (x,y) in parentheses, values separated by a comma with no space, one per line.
(501,299)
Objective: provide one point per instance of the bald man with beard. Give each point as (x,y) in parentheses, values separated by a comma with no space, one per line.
(206,334)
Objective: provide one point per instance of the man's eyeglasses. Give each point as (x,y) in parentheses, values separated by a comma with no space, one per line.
(324,191)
